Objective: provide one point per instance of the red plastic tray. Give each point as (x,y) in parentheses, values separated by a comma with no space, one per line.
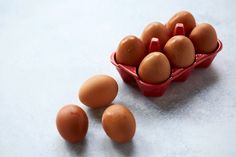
(129,73)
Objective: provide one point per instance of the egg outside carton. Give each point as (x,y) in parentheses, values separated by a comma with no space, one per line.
(129,74)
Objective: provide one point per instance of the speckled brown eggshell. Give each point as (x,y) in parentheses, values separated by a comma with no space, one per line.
(184,17)
(204,38)
(131,51)
(98,91)
(119,123)
(72,123)
(154,68)
(180,51)
(157,30)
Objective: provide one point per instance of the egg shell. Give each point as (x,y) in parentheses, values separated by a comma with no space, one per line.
(72,123)
(204,38)
(98,91)
(119,123)
(154,68)
(184,17)
(155,30)
(131,51)
(180,51)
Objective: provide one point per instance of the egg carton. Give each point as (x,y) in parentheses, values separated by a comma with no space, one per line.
(129,74)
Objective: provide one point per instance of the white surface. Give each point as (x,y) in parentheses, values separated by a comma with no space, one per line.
(49,47)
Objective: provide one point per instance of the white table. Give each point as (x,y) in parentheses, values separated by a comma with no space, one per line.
(48,48)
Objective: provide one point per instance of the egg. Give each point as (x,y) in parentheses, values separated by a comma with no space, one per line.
(154,68)
(98,91)
(184,17)
(157,30)
(72,123)
(180,51)
(204,38)
(131,51)
(119,123)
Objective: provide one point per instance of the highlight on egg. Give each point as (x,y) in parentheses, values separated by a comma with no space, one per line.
(131,51)
(204,38)
(72,123)
(119,123)
(155,30)
(180,51)
(184,17)
(154,68)
(98,91)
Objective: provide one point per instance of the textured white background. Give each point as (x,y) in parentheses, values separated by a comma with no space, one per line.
(49,47)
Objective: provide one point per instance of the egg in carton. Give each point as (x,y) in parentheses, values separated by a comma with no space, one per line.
(129,74)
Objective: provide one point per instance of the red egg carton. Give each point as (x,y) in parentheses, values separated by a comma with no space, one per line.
(129,73)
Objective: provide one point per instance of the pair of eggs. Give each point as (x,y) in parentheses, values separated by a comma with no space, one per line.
(178,51)
(99,91)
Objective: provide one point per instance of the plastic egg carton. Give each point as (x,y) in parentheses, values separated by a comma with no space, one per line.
(129,74)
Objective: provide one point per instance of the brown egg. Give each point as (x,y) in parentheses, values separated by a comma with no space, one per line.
(72,123)
(154,68)
(130,51)
(180,51)
(119,123)
(157,30)
(204,38)
(98,91)
(184,17)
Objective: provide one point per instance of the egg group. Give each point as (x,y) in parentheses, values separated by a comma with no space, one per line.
(153,59)
(177,43)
